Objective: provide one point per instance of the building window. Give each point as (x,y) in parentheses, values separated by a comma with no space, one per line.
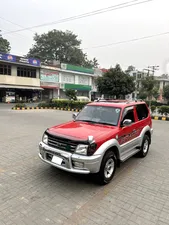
(84,80)
(26,72)
(68,79)
(5,69)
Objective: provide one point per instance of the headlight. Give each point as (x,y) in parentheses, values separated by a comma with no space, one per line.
(86,149)
(45,139)
(82,149)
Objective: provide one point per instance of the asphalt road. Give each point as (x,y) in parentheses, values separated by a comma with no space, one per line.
(32,192)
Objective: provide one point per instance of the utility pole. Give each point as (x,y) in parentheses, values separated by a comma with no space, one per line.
(154,68)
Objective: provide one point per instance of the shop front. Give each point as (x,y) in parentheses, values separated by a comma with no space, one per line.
(49,81)
(19,78)
(82,90)
(11,94)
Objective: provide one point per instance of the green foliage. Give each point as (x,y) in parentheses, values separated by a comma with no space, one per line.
(166,92)
(71,94)
(20,105)
(90,63)
(66,104)
(164,110)
(155,92)
(148,86)
(4,45)
(115,83)
(61,46)
(130,69)
(155,103)
(142,94)
(153,108)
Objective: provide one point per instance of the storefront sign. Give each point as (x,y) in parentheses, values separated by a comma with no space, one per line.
(18,59)
(49,76)
(33,62)
(7,57)
(49,85)
(77,68)
(78,87)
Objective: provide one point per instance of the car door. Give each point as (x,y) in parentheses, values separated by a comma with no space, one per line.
(143,118)
(128,134)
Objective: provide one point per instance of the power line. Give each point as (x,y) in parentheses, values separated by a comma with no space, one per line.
(15,24)
(19,35)
(128,41)
(92,13)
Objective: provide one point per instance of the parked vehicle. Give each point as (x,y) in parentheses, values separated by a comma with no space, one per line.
(83,99)
(100,137)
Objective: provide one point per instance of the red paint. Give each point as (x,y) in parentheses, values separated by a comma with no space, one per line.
(102,133)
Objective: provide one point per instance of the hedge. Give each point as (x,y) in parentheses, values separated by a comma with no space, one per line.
(155,103)
(20,105)
(66,104)
(163,110)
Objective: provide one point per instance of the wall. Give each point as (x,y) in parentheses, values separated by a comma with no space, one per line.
(14,80)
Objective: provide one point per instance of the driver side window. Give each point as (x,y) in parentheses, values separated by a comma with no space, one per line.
(129,114)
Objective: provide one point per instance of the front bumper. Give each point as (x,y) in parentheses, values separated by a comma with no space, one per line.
(70,161)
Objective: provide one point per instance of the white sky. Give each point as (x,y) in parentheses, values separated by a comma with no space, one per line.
(123,24)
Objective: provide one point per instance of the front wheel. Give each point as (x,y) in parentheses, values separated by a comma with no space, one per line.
(108,168)
(145,146)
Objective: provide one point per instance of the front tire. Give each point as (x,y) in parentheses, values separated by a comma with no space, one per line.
(145,147)
(108,168)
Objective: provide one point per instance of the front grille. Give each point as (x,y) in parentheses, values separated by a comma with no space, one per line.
(62,144)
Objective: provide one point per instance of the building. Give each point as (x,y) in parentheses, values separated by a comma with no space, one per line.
(19,78)
(56,80)
(23,79)
(162,82)
(50,82)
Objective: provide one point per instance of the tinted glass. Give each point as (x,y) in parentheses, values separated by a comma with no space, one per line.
(142,111)
(100,114)
(129,115)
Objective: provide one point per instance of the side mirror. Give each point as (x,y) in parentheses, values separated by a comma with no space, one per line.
(74,116)
(126,122)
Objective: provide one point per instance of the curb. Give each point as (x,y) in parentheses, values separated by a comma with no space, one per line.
(160,118)
(54,108)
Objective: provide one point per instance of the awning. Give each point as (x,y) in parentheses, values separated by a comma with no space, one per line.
(50,87)
(20,87)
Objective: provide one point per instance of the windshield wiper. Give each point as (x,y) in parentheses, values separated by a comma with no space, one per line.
(89,121)
(106,123)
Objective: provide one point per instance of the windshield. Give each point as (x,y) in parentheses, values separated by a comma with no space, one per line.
(100,114)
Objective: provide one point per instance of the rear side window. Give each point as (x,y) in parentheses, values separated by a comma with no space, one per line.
(142,111)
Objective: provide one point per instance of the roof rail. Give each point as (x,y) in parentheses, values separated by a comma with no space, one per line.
(118,100)
(111,100)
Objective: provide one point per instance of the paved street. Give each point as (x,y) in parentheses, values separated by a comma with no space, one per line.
(32,192)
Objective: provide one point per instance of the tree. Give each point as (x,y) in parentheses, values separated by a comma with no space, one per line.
(91,63)
(166,92)
(130,69)
(115,83)
(60,46)
(71,94)
(149,88)
(4,45)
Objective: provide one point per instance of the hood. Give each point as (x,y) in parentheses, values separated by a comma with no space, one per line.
(81,130)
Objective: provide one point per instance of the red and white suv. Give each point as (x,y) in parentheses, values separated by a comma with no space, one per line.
(100,137)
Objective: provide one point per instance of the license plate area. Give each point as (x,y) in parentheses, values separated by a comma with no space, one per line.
(57,160)
(49,156)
